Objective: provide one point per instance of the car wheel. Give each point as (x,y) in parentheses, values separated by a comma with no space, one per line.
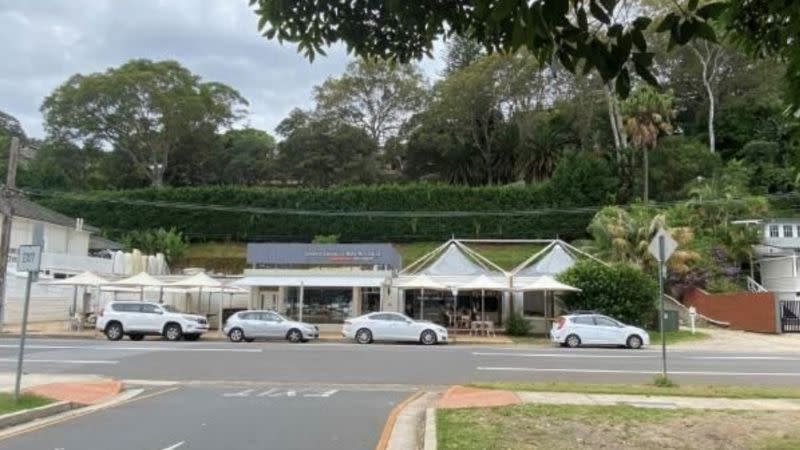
(634,342)
(191,337)
(364,336)
(136,337)
(428,337)
(573,341)
(173,332)
(236,335)
(294,336)
(114,331)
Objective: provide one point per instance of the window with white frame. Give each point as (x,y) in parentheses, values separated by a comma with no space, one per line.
(774,231)
(787,231)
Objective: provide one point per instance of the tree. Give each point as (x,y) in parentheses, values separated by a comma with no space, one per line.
(374,95)
(461,52)
(246,156)
(711,57)
(621,291)
(142,109)
(169,242)
(647,115)
(591,35)
(320,151)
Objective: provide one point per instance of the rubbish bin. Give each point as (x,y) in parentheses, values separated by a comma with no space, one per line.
(671,322)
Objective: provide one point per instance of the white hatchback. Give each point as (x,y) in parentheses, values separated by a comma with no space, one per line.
(575,330)
(390,326)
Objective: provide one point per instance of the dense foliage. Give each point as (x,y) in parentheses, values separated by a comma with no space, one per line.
(357,213)
(621,291)
(169,242)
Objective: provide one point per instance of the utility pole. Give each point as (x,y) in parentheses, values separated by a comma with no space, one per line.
(7,211)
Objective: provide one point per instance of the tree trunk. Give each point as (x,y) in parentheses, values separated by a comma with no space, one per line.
(712,139)
(646,182)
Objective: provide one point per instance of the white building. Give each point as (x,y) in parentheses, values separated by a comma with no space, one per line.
(778,257)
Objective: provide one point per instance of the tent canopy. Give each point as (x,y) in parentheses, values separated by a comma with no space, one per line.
(311,280)
(141,279)
(483,282)
(455,261)
(552,263)
(420,282)
(546,283)
(87,278)
(200,280)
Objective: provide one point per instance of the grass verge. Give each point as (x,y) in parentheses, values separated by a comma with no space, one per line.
(26,401)
(625,427)
(683,390)
(674,337)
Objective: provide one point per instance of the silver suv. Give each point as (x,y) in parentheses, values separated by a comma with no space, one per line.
(137,319)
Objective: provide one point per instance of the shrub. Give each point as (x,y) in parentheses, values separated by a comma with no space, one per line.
(663,381)
(517,326)
(169,242)
(583,179)
(621,291)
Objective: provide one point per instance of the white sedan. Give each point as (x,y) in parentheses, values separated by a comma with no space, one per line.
(390,326)
(595,329)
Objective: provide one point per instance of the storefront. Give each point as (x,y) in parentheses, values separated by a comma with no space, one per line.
(320,283)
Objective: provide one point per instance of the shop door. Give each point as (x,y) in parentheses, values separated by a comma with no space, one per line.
(372,302)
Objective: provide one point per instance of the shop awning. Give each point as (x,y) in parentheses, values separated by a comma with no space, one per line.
(310,281)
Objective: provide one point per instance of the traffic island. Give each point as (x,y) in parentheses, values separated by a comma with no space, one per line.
(472,418)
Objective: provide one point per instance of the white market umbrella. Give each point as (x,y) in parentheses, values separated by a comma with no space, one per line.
(200,281)
(482,283)
(85,279)
(140,280)
(546,284)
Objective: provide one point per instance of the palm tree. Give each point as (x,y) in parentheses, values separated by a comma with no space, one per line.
(647,115)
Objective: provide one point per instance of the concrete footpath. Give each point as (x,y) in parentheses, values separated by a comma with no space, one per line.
(467,397)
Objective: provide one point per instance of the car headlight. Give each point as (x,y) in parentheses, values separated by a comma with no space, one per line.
(441,330)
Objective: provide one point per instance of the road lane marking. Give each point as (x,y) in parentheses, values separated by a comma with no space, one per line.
(173,447)
(641,372)
(559,355)
(267,392)
(243,393)
(154,348)
(61,361)
(745,358)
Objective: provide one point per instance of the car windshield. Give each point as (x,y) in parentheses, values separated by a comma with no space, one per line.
(170,308)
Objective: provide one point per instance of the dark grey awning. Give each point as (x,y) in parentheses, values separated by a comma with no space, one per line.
(323,254)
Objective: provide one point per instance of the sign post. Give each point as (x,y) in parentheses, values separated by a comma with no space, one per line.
(30,258)
(661,247)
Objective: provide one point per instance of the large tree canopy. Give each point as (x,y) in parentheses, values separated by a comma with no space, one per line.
(144,109)
(584,35)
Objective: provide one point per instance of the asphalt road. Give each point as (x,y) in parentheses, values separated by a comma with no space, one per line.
(227,417)
(377,364)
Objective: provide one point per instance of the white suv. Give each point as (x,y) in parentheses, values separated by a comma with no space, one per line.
(137,319)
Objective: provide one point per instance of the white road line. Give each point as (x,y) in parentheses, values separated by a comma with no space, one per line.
(154,348)
(744,358)
(61,361)
(173,447)
(559,355)
(642,372)
(244,393)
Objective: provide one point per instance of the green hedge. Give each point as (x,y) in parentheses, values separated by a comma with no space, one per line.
(506,207)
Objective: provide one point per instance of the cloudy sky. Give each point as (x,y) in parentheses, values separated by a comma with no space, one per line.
(43,42)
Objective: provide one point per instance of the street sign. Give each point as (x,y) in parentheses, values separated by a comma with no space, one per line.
(669,245)
(30,258)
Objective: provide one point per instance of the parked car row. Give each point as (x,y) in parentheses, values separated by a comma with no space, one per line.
(139,319)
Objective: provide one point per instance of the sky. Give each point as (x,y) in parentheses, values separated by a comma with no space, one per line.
(44,42)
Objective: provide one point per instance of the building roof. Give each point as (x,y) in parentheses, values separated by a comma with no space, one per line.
(454,261)
(33,211)
(100,243)
(552,263)
(273,253)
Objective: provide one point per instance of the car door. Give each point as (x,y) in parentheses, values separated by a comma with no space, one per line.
(403,328)
(609,331)
(584,327)
(381,327)
(250,324)
(131,316)
(151,318)
(271,325)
